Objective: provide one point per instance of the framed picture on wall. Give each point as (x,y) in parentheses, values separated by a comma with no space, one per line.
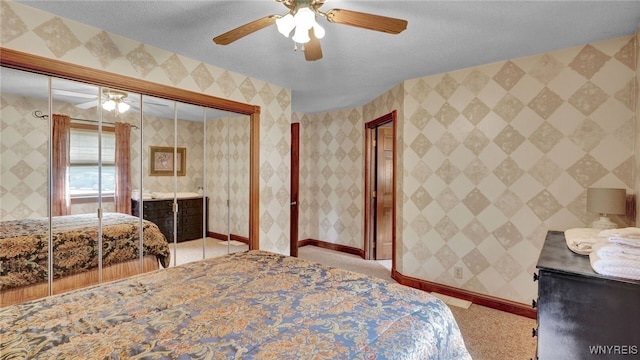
(161,161)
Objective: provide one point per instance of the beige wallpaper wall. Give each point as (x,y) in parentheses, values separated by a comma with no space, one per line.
(490,158)
(30,30)
(331,177)
(499,154)
(332,169)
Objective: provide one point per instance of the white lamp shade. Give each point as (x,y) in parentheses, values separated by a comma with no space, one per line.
(606,201)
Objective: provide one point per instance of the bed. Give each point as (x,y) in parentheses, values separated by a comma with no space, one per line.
(249,305)
(24,253)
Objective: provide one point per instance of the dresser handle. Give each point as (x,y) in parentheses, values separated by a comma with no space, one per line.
(534,332)
(535,277)
(534,303)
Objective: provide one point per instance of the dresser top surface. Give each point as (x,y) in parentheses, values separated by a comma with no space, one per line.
(557,257)
(167,199)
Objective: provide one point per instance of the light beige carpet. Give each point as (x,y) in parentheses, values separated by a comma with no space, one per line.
(488,334)
(193,250)
(345,261)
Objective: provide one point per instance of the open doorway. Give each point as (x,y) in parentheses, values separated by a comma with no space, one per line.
(380,164)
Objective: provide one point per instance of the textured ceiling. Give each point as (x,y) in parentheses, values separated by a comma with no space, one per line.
(358,65)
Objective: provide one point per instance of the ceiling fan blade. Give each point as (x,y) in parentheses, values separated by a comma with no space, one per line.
(74,94)
(244,30)
(312,49)
(367,21)
(87,105)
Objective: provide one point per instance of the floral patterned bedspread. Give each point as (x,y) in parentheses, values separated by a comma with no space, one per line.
(24,245)
(250,305)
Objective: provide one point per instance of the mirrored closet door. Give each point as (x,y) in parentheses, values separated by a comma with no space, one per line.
(25,186)
(116,182)
(227,163)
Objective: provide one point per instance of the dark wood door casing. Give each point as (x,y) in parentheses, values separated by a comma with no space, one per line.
(295,180)
(370,185)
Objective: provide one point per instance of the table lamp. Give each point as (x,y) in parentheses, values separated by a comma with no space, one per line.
(606,201)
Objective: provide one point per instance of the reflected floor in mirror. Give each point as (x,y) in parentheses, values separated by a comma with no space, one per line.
(192,250)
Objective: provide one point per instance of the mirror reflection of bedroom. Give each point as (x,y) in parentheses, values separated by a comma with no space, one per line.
(100,184)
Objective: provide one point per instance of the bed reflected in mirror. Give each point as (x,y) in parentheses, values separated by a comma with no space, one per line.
(83,201)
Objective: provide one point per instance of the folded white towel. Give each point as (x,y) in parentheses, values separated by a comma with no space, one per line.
(581,240)
(628,232)
(624,268)
(616,251)
(628,241)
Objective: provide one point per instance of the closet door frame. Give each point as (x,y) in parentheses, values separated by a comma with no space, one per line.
(45,66)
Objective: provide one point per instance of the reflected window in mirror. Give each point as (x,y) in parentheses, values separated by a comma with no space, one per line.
(84,161)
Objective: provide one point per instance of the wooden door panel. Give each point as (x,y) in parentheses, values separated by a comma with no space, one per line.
(384,194)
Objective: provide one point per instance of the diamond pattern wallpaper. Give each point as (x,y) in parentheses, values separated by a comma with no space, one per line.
(40,33)
(496,155)
(489,158)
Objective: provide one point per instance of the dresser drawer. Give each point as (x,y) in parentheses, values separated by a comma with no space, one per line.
(192,211)
(194,220)
(157,205)
(157,214)
(190,204)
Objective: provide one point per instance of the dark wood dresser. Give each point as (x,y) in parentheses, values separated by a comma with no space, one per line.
(582,314)
(189,216)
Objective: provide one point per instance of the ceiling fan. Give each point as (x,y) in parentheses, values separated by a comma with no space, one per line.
(111,100)
(301,18)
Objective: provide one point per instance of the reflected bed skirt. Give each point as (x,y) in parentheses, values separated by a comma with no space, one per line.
(71,282)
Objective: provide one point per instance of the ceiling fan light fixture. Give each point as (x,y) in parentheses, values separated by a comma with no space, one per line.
(123,107)
(109,105)
(301,36)
(318,31)
(304,18)
(114,99)
(285,24)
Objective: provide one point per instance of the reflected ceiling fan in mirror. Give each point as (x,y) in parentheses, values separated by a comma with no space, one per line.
(114,99)
(301,20)
(111,100)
